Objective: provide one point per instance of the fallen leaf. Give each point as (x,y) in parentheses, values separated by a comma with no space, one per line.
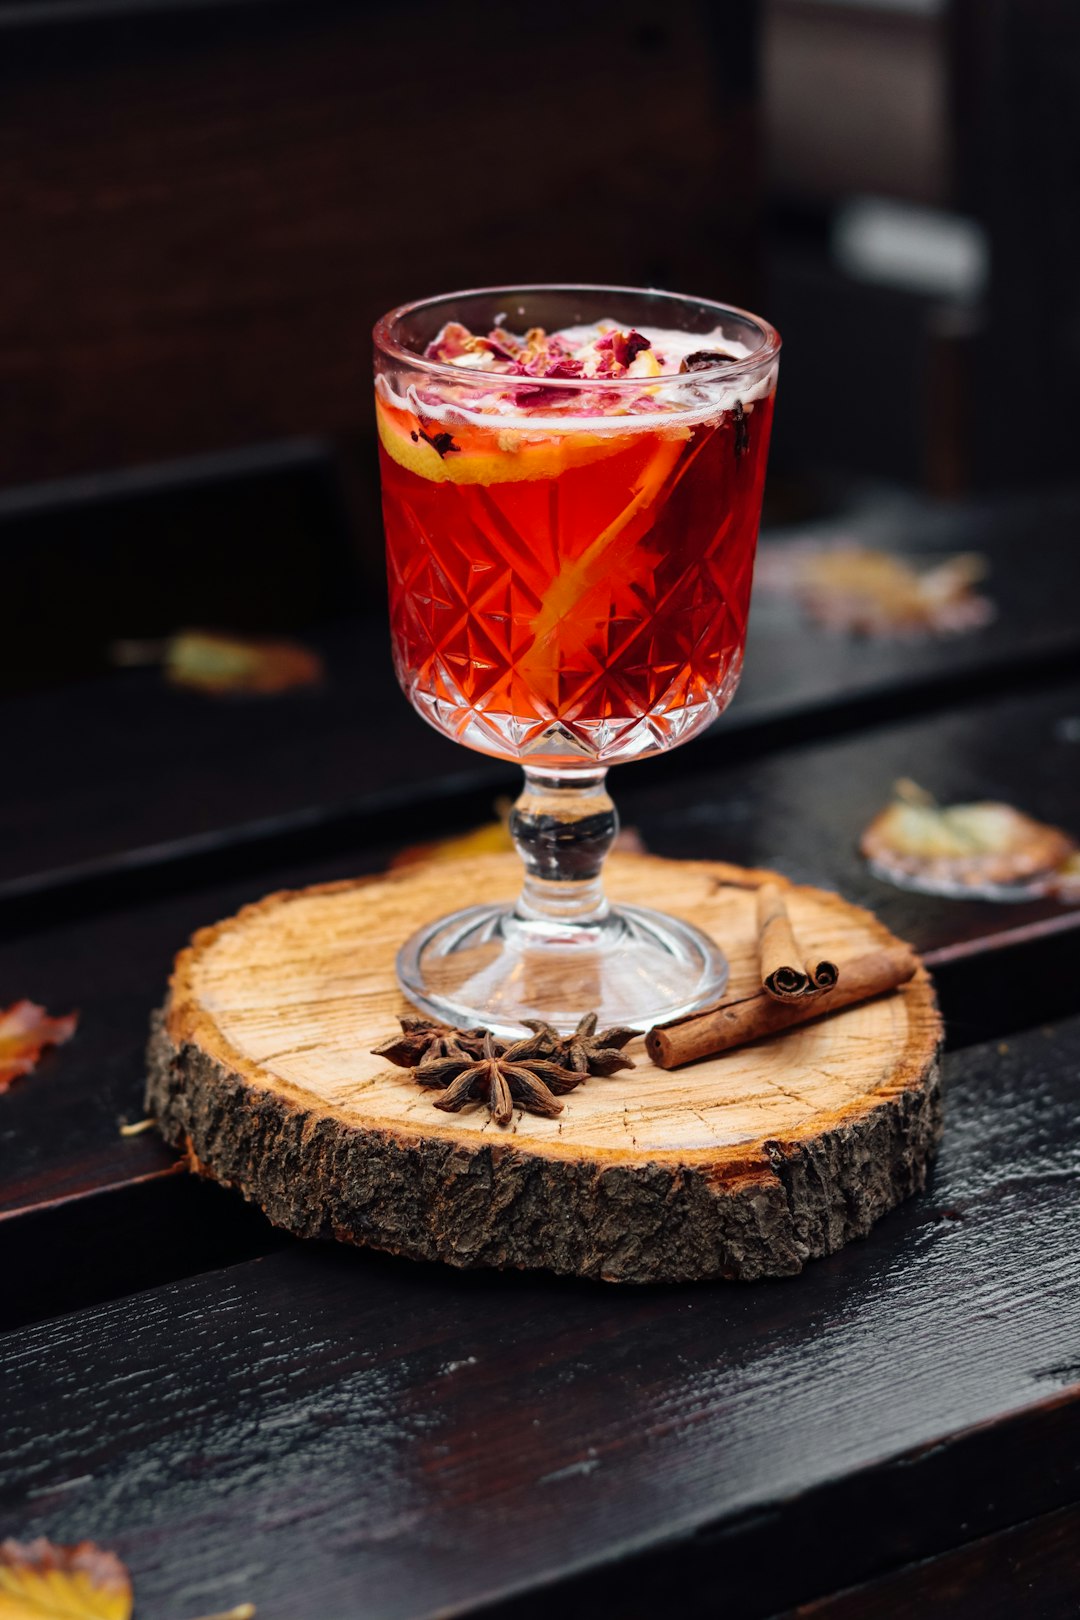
(220,665)
(25,1030)
(493,838)
(39,1582)
(985,850)
(862,591)
(1066,880)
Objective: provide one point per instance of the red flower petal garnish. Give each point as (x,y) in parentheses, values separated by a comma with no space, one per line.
(453,341)
(624,346)
(25,1031)
(498,348)
(537,394)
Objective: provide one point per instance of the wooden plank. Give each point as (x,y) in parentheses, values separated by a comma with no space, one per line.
(322,1431)
(144,773)
(1028,1570)
(138,554)
(60,1128)
(999,967)
(123,775)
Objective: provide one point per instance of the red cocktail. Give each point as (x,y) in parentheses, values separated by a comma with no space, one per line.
(572,484)
(572,593)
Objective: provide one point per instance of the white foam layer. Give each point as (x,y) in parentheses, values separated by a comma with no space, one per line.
(670,401)
(669,346)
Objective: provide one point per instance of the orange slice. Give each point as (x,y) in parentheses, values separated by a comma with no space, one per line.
(493,455)
(575,578)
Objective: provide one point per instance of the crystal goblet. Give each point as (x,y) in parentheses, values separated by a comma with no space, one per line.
(572,481)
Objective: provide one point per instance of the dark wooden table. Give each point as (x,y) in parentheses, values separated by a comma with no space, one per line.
(331,1434)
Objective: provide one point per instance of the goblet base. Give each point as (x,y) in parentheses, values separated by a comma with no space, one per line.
(491,965)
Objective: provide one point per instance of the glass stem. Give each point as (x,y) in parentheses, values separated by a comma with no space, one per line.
(563,826)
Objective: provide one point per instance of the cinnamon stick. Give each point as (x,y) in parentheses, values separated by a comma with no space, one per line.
(740,1022)
(822,975)
(781,974)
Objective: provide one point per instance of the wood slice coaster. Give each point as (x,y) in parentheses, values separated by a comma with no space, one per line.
(742,1166)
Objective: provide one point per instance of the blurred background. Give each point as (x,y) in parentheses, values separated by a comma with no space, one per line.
(206,204)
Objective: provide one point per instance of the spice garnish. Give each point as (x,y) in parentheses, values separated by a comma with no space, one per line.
(704,360)
(756,1017)
(500,1076)
(472,1065)
(742,430)
(441,443)
(423,1038)
(585,1051)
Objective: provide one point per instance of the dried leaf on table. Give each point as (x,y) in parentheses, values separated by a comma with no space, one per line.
(985,849)
(220,665)
(493,838)
(862,591)
(224,664)
(25,1030)
(1065,884)
(39,1581)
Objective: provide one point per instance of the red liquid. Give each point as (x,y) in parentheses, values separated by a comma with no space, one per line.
(589,607)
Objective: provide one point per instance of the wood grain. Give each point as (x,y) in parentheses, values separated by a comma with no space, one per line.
(744,1166)
(330,1431)
(1029,1569)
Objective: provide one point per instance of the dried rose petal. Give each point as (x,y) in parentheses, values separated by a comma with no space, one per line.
(626,353)
(498,351)
(624,347)
(453,341)
(537,394)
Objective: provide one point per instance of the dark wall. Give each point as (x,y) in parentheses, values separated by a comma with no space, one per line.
(206,207)
(1016,116)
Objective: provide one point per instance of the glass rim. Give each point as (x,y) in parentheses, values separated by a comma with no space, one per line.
(387,344)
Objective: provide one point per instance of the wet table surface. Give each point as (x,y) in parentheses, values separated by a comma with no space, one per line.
(330,1433)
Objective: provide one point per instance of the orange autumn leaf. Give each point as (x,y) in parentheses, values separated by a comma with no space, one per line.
(218,664)
(987,850)
(491,839)
(865,592)
(25,1030)
(39,1582)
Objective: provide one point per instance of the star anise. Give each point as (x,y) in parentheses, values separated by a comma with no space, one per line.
(423,1038)
(585,1052)
(500,1077)
(442,443)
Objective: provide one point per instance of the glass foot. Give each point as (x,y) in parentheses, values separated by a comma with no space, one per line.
(491,965)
